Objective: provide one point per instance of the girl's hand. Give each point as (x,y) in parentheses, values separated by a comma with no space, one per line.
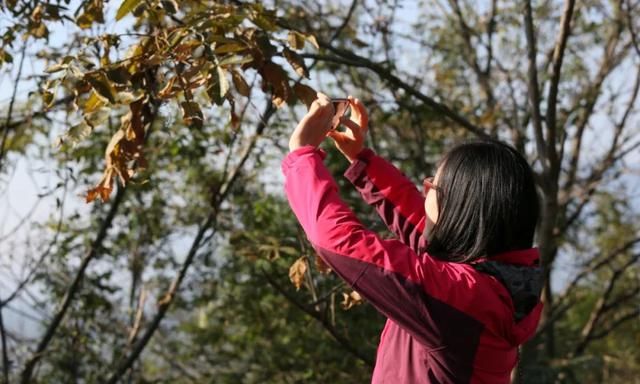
(315,125)
(351,141)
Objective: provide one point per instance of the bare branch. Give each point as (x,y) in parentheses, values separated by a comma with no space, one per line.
(321,319)
(351,59)
(601,307)
(632,31)
(586,100)
(42,257)
(588,270)
(534,88)
(5,352)
(616,323)
(164,304)
(614,154)
(470,55)
(558,56)
(73,288)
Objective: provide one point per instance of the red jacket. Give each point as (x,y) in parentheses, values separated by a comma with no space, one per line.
(447,322)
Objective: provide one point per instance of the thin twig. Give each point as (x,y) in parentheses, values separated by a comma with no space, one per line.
(5,353)
(330,328)
(5,131)
(73,288)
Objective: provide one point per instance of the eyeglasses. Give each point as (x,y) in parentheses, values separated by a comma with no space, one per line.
(427,184)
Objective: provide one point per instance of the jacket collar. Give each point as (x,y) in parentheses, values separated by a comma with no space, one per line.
(529,257)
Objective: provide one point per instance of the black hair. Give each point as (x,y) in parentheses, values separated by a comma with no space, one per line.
(487,203)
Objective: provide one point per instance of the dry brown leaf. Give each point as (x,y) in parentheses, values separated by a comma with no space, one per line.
(124,149)
(297,271)
(297,63)
(276,77)
(305,93)
(350,300)
(321,266)
(240,83)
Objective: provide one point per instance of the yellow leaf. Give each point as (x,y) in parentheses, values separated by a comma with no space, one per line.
(126,7)
(296,40)
(94,102)
(230,47)
(312,39)
(102,85)
(297,271)
(224,83)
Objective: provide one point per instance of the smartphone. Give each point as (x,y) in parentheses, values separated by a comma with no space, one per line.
(341,107)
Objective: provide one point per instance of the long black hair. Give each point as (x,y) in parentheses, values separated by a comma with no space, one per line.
(487,203)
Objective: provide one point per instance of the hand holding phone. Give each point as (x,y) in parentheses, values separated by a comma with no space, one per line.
(351,141)
(341,106)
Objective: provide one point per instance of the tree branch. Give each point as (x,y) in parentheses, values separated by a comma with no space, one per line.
(5,131)
(470,55)
(5,352)
(534,88)
(558,56)
(586,101)
(601,307)
(605,260)
(208,222)
(613,155)
(353,60)
(616,323)
(73,288)
(316,315)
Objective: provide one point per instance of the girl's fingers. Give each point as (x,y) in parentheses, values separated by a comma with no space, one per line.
(362,114)
(358,134)
(358,113)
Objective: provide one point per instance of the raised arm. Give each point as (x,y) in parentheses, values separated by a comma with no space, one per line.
(393,195)
(406,288)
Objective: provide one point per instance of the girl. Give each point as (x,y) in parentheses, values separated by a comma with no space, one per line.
(460,285)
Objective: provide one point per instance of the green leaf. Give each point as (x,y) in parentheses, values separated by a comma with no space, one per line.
(125,8)
(312,39)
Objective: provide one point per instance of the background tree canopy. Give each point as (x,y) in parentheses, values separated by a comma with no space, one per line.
(170,119)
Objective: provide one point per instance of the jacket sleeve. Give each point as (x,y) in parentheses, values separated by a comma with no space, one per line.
(387,273)
(396,199)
